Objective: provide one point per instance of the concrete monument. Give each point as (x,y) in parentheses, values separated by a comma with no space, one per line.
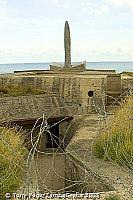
(67,45)
(67,48)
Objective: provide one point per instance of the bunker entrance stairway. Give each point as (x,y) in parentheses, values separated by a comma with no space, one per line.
(55,170)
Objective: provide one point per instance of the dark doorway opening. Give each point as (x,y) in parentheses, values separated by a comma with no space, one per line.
(52,136)
(49,138)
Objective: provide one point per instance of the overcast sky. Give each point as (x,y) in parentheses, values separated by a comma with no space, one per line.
(33,30)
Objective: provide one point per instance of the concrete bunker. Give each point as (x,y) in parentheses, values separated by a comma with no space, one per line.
(56,169)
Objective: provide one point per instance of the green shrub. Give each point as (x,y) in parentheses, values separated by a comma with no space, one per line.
(115,141)
(12,162)
(112,198)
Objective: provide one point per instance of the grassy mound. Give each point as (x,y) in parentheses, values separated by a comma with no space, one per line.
(19,90)
(115,141)
(128,73)
(12,163)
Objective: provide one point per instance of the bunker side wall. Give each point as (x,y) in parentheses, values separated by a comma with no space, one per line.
(51,171)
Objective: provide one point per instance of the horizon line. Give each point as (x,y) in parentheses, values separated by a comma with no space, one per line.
(12,63)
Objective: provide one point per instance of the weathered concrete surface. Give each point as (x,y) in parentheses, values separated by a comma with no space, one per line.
(33,107)
(68,89)
(79,67)
(63,172)
(51,171)
(99,71)
(114,88)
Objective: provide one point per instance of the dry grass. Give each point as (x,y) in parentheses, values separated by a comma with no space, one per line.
(128,73)
(115,141)
(19,90)
(12,162)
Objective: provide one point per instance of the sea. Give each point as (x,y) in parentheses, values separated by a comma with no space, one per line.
(118,66)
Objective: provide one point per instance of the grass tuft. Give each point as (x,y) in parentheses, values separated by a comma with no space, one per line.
(115,141)
(128,73)
(12,160)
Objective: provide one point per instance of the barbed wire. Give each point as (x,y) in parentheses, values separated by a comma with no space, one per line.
(45,128)
(99,114)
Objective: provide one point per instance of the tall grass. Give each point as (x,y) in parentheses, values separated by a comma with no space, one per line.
(20,90)
(12,162)
(115,141)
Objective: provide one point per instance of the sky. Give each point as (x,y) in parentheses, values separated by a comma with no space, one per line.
(33,30)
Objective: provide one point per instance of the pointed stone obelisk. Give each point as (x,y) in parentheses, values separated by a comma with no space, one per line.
(67,45)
